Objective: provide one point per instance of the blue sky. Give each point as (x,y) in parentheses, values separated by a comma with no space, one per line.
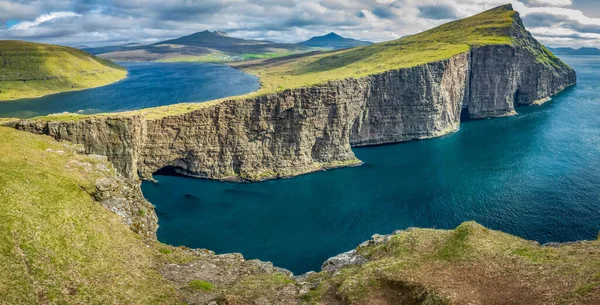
(103,22)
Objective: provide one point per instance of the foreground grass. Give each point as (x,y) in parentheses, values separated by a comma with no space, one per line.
(32,70)
(468,265)
(57,245)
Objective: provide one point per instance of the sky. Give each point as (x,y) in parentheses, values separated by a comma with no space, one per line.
(574,23)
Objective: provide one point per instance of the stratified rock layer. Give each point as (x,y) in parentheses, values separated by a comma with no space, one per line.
(308,129)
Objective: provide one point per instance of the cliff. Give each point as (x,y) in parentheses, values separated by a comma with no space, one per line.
(302,130)
(289,132)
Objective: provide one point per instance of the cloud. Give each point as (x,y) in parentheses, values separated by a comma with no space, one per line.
(437,12)
(27,25)
(553,2)
(100,22)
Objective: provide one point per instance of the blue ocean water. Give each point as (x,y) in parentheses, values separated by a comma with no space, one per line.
(535,175)
(147,85)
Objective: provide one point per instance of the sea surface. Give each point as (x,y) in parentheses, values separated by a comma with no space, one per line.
(536,175)
(147,85)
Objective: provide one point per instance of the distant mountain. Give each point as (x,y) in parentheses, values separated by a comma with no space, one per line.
(572,51)
(204,46)
(333,41)
(217,40)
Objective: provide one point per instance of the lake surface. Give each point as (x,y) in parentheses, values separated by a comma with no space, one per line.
(536,175)
(147,85)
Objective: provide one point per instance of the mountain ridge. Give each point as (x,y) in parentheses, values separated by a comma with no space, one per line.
(204,46)
(333,41)
(575,51)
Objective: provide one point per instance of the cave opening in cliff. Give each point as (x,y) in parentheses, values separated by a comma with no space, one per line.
(169,171)
(465,116)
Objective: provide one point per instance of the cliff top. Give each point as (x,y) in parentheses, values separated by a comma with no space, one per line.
(501,25)
(490,27)
(30,69)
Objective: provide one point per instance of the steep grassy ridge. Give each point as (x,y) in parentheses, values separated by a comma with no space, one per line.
(488,28)
(32,70)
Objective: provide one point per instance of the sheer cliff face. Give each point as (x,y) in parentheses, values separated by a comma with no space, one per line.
(303,130)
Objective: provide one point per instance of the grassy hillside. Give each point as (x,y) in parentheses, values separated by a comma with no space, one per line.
(32,70)
(58,246)
(468,265)
(490,27)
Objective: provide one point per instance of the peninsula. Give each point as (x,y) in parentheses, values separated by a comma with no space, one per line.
(312,109)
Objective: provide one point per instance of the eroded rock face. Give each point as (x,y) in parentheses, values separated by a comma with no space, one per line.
(308,129)
(505,76)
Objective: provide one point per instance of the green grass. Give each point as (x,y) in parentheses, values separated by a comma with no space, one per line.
(494,27)
(57,245)
(31,70)
(201,285)
(165,251)
(434,265)
(487,28)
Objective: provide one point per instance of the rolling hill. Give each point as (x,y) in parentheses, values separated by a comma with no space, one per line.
(33,70)
(334,41)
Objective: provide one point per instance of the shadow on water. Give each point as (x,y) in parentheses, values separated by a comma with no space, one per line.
(533,175)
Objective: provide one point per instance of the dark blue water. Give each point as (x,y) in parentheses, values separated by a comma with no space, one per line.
(147,85)
(535,175)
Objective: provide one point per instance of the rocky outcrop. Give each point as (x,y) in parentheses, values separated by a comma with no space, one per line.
(308,129)
(116,193)
(506,76)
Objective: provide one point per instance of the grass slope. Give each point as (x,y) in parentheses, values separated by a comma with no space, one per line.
(58,246)
(490,27)
(468,265)
(31,70)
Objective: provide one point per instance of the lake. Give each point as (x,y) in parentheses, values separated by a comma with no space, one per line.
(147,85)
(535,175)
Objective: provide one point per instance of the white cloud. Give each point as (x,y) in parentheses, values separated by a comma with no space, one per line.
(93,22)
(26,25)
(553,2)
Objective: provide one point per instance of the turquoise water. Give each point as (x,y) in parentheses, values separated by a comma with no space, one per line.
(147,85)
(535,175)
